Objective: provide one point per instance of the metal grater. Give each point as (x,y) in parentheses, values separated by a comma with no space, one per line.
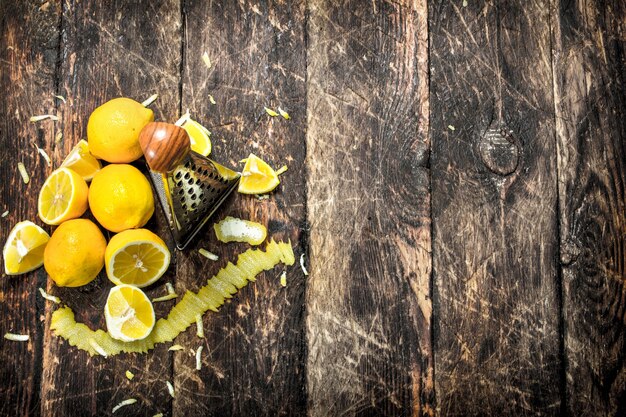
(190,186)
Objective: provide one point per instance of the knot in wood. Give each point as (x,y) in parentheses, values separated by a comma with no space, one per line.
(499,151)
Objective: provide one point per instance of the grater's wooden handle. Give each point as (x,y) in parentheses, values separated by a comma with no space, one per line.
(164,145)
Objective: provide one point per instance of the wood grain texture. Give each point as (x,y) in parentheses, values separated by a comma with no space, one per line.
(368,300)
(590,84)
(28,50)
(110,50)
(254,350)
(494,209)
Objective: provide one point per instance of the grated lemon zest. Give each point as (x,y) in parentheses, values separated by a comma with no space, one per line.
(452,128)
(181,121)
(43,154)
(170,389)
(170,288)
(281,170)
(5,213)
(208,254)
(97,348)
(16,337)
(149,100)
(23,172)
(165,298)
(199,358)
(61,98)
(304,271)
(43,117)
(262,197)
(130,375)
(176,347)
(211,99)
(158,415)
(284,114)
(271,112)
(49,297)
(206,59)
(58,137)
(283,279)
(199,326)
(124,403)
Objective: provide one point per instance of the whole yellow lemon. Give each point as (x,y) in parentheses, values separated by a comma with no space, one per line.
(120,197)
(74,254)
(113,130)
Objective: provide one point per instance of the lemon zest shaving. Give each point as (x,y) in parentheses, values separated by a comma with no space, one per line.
(16,337)
(165,298)
(58,137)
(304,271)
(129,375)
(283,279)
(170,389)
(123,404)
(176,347)
(211,99)
(208,254)
(43,117)
(5,213)
(281,170)
(22,169)
(199,358)
(199,326)
(61,98)
(49,297)
(149,100)
(271,112)
(284,114)
(207,60)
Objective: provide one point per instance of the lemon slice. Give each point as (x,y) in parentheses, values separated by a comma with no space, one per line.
(257,177)
(82,161)
(199,136)
(23,250)
(129,313)
(62,197)
(136,257)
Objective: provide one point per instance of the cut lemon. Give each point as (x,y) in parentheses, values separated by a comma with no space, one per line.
(136,257)
(62,197)
(199,136)
(23,250)
(129,313)
(82,161)
(257,177)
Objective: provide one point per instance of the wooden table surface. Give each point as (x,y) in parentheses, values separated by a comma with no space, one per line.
(456,183)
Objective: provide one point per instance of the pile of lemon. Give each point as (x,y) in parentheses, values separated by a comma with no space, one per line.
(121,200)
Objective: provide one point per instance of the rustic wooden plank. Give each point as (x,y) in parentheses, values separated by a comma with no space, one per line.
(254,351)
(110,50)
(493,207)
(589,67)
(368,299)
(29,40)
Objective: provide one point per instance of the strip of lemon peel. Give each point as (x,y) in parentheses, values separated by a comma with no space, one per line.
(210,297)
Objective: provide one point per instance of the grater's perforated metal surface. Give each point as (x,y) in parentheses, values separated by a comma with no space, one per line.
(190,194)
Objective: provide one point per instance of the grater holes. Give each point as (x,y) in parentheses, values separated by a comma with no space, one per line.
(178,175)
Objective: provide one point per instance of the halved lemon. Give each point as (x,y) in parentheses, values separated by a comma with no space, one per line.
(82,161)
(63,196)
(23,250)
(136,257)
(199,136)
(129,313)
(257,177)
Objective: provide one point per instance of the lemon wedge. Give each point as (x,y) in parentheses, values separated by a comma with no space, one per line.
(23,250)
(129,313)
(257,177)
(199,136)
(63,196)
(136,257)
(82,161)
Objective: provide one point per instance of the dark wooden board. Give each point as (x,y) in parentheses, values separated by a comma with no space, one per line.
(590,92)
(28,51)
(494,209)
(254,350)
(368,296)
(107,51)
